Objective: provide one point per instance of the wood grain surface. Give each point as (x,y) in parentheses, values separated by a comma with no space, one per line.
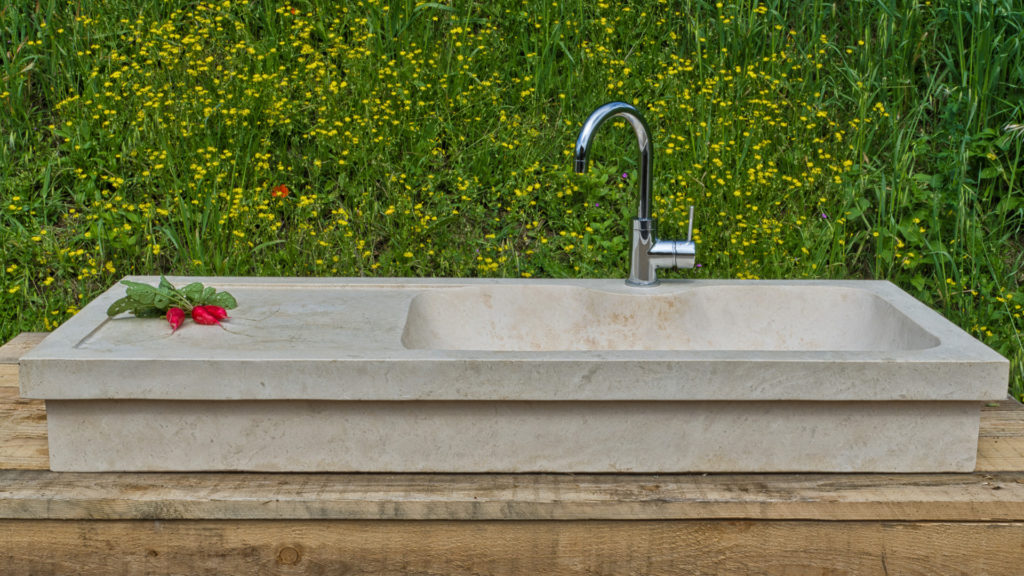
(219,496)
(428,548)
(19,345)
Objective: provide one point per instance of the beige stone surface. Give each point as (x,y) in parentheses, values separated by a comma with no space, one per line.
(454,375)
(434,339)
(652,437)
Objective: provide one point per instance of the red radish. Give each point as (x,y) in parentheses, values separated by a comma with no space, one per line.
(175,317)
(216,311)
(202,316)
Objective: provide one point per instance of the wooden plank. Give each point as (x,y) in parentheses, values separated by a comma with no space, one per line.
(23,439)
(1003,405)
(9,377)
(12,351)
(19,345)
(997,454)
(1002,424)
(1001,437)
(1006,420)
(482,497)
(358,548)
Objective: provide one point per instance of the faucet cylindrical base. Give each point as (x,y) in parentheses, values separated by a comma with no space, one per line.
(644,238)
(647,254)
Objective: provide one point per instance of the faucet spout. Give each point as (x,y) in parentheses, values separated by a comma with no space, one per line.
(647,253)
(643,139)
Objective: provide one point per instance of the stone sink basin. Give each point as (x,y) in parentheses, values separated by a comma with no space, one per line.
(731,316)
(459,375)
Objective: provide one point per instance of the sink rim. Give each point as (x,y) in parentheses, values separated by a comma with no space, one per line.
(371,374)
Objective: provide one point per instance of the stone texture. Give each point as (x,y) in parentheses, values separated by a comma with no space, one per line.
(652,437)
(454,375)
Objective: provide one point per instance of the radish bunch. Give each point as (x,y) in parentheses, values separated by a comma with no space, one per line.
(205,304)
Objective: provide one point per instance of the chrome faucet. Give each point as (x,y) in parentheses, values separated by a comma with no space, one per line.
(647,253)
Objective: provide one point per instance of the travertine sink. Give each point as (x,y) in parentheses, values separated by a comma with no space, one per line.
(708,317)
(447,375)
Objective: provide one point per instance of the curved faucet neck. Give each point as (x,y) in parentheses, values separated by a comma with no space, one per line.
(632,115)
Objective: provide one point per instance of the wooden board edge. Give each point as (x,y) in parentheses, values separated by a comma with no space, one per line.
(16,347)
(492,548)
(288,497)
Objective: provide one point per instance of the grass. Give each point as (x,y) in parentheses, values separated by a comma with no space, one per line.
(861,139)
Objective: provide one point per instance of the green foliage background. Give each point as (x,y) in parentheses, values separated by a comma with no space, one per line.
(859,139)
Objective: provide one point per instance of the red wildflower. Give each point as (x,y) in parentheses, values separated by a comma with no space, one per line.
(280,191)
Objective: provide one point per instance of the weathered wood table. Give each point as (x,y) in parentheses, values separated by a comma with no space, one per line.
(185,523)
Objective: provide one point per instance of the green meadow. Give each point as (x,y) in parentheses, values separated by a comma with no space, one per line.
(857,139)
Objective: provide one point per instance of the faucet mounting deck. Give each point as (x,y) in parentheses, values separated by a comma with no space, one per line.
(647,253)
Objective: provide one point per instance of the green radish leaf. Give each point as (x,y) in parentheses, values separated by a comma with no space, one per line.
(208,293)
(193,291)
(161,301)
(165,284)
(140,285)
(224,300)
(148,312)
(169,294)
(123,305)
(141,295)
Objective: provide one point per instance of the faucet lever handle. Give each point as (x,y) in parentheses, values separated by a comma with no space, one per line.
(689,229)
